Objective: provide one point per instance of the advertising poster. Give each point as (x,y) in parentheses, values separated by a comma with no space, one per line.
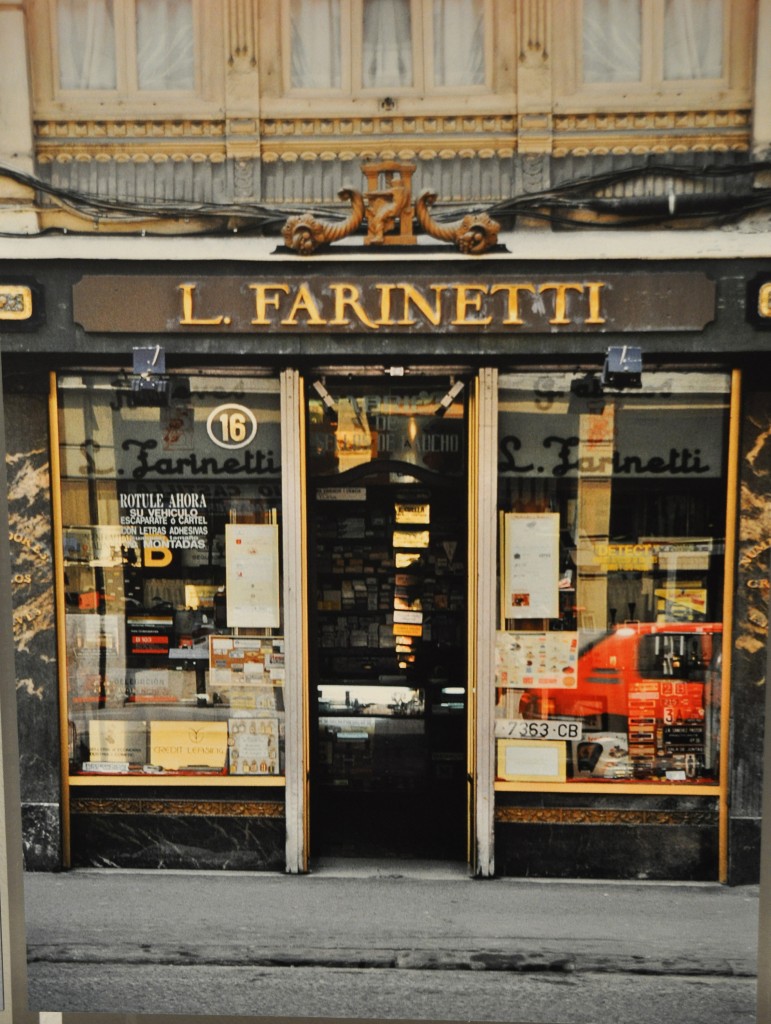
(536,660)
(252,576)
(531,565)
(253,746)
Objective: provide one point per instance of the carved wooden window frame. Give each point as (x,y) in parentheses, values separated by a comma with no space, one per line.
(127,99)
(494,95)
(653,91)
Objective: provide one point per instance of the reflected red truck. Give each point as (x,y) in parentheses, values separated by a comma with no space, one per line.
(647,701)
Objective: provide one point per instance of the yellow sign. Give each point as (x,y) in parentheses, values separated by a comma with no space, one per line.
(191,744)
(15,302)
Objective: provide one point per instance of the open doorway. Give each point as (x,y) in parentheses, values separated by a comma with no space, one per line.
(387,482)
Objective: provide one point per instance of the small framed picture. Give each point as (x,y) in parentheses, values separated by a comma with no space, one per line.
(532,760)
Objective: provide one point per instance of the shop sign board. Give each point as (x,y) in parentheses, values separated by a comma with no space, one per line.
(502,301)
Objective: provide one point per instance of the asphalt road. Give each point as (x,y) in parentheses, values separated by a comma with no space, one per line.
(572,998)
(388,946)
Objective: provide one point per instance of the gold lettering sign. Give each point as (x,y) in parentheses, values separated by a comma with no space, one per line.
(15,302)
(421,303)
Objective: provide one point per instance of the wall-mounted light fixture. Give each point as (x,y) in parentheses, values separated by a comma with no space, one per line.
(455,389)
(149,383)
(623,367)
(327,400)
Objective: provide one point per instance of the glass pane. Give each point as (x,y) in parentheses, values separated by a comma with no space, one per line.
(387,44)
(612,32)
(165,44)
(459,42)
(315,60)
(86,44)
(400,432)
(171,519)
(693,39)
(612,517)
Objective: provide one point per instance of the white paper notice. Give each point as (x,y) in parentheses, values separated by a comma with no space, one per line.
(533,761)
(531,583)
(252,577)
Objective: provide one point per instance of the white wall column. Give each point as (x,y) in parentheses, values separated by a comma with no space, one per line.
(485,529)
(295,620)
(16,201)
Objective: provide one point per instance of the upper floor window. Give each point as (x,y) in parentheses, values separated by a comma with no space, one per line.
(127,58)
(620,54)
(403,46)
(125,45)
(630,41)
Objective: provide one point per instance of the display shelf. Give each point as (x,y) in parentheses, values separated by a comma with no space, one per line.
(612,786)
(141,779)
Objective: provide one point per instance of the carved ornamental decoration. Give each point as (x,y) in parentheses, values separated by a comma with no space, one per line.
(389,211)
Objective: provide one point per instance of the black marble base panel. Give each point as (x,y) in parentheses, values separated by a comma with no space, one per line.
(41,836)
(619,852)
(191,833)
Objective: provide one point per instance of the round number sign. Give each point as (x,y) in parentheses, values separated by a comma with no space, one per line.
(231,426)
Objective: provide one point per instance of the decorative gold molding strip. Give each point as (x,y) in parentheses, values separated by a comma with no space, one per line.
(181,808)
(641,132)
(124,154)
(699,120)
(272,154)
(133,128)
(606,145)
(386,126)
(601,816)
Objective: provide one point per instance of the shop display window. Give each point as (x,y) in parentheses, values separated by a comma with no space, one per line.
(172,611)
(612,509)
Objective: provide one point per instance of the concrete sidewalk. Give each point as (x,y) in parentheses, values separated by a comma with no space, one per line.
(390,915)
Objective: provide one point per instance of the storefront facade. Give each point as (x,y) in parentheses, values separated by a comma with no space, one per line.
(416,556)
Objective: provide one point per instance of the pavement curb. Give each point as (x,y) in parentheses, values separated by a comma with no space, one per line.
(545,961)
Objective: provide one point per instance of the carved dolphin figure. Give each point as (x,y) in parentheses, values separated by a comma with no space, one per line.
(305,233)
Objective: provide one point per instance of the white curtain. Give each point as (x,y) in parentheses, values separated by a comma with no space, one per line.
(459,42)
(693,39)
(315,44)
(86,35)
(165,58)
(387,44)
(612,40)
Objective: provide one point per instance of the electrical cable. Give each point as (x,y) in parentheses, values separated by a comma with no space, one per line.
(560,205)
